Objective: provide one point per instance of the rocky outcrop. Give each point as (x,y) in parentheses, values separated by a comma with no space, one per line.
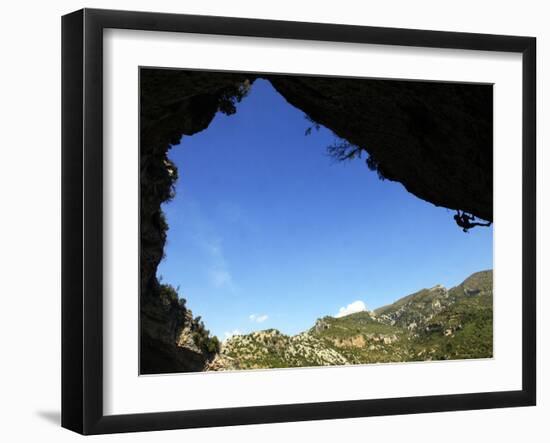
(434,138)
(223,362)
(271,349)
(172,340)
(161,323)
(416,309)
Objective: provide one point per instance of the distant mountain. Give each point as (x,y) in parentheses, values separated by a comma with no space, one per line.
(431,324)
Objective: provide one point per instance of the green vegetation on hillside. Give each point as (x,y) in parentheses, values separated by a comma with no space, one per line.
(431,324)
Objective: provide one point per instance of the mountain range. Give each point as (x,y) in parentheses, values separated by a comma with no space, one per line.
(431,324)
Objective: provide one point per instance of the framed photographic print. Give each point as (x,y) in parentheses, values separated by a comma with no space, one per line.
(269,221)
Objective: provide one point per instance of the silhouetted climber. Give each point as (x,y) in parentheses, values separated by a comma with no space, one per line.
(466,221)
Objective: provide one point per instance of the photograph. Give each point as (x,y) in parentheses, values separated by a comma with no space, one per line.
(275,221)
(298,221)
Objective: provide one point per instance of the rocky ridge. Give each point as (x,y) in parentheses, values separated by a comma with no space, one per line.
(431,324)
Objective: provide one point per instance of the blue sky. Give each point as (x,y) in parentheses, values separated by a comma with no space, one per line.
(268,231)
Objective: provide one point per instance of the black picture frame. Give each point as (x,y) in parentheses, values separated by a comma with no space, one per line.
(82,218)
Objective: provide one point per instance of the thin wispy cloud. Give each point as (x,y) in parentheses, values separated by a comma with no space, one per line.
(217,269)
(221,278)
(235,214)
(258,318)
(352,308)
(218,273)
(231,212)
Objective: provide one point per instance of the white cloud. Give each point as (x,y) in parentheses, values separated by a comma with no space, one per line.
(356,306)
(229,334)
(258,318)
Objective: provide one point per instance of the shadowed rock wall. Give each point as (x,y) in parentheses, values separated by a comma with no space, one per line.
(434,138)
(172,104)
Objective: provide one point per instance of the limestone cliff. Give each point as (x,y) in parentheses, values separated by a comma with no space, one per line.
(431,324)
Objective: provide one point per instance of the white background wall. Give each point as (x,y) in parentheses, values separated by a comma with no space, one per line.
(30,218)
